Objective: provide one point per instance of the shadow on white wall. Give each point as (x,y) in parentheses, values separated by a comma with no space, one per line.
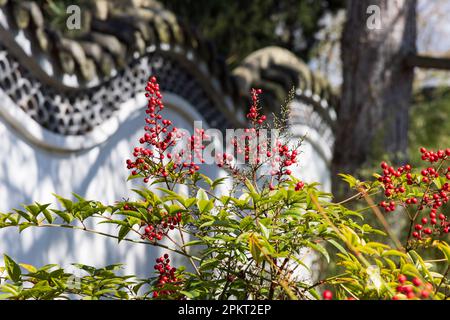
(29,173)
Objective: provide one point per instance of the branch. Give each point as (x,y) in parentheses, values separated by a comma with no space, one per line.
(115,237)
(427,62)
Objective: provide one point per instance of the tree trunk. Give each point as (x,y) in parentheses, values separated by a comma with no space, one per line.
(377,84)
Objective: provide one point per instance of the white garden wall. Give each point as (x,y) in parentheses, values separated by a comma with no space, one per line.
(35,163)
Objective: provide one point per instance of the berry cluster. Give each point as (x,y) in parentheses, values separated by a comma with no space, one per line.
(299,186)
(249,145)
(254,113)
(224,160)
(393,183)
(412,289)
(437,224)
(432,157)
(255,150)
(159,138)
(284,159)
(166,276)
(402,186)
(156,232)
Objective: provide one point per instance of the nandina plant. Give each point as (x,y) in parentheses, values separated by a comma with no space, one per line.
(254,240)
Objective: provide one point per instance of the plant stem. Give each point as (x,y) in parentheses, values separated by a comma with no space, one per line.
(116,237)
(413,220)
(442,279)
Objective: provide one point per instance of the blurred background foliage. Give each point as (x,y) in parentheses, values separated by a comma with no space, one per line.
(429,121)
(238,28)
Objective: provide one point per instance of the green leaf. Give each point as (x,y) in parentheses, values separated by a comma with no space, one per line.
(78,197)
(422,264)
(28,267)
(123,231)
(202,195)
(12,289)
(209,264)
(300,262)
(118,222)
(438,182)
(320,249)
(194,243)
(218,182)
(67,217)
(27,216)
(132,177)
(12,268)
(207,179)
(352,181)
(253,245)
(131,213)
(394,253)
(245,223)
(48,216)
(33,209)
(315,294)
(67,204)
(173,195)
(205,205)
(445,248)
(264,230)
(25,225)
(5,296)
(338,246)
(174,208)
(190,202)
(292,213)
(191,294)
(409,269)
(253,193)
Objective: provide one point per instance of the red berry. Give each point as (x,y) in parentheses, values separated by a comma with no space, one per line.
(327,295)
(416,281)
